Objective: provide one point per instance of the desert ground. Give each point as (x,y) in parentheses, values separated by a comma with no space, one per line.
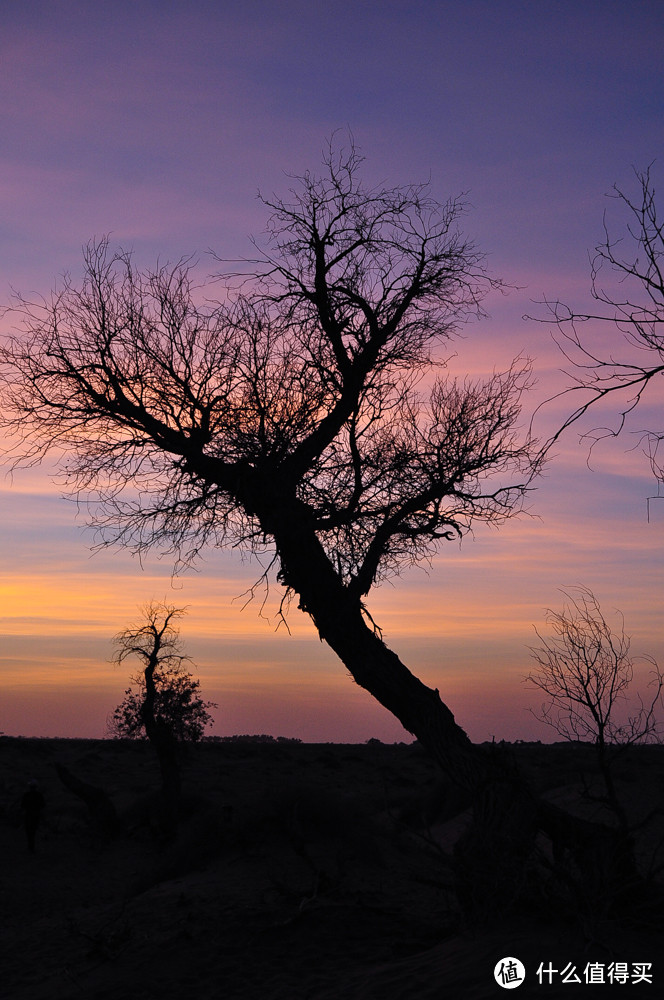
(317,871)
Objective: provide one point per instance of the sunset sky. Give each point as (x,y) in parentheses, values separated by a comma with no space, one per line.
(158,122)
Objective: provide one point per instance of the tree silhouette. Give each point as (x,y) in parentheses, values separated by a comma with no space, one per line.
(168,690)
(292,414)
(627,283)
(585,669)
(155,642)
(309,412)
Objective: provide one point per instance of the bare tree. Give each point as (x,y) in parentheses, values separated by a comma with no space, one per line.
(309,412)
(293,416)
(627,282)
(586,671)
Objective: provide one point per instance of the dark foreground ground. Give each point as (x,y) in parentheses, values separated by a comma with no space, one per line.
(299,871)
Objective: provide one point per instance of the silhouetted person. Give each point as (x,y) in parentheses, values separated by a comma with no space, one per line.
(32,804)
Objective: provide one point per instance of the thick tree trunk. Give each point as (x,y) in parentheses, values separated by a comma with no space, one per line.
(492,856)
(341,623)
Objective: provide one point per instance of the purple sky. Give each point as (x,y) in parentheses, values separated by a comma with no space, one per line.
(158,123)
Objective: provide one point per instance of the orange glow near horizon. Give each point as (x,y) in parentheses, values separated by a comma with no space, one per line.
(463,626)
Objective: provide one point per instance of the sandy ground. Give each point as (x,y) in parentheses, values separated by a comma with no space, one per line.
(299,871)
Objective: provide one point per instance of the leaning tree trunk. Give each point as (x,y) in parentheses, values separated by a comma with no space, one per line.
(492,856)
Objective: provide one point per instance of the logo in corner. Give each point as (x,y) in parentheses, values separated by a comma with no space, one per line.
(509,973)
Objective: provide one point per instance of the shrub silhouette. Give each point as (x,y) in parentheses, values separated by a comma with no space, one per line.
(178,703)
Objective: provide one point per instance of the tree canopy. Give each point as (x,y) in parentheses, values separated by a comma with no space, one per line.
(586,671)
(317,384)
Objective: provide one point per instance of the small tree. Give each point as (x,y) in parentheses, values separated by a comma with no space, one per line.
(586,671)
(155,642)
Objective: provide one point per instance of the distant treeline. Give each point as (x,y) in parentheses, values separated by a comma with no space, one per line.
(257,738)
